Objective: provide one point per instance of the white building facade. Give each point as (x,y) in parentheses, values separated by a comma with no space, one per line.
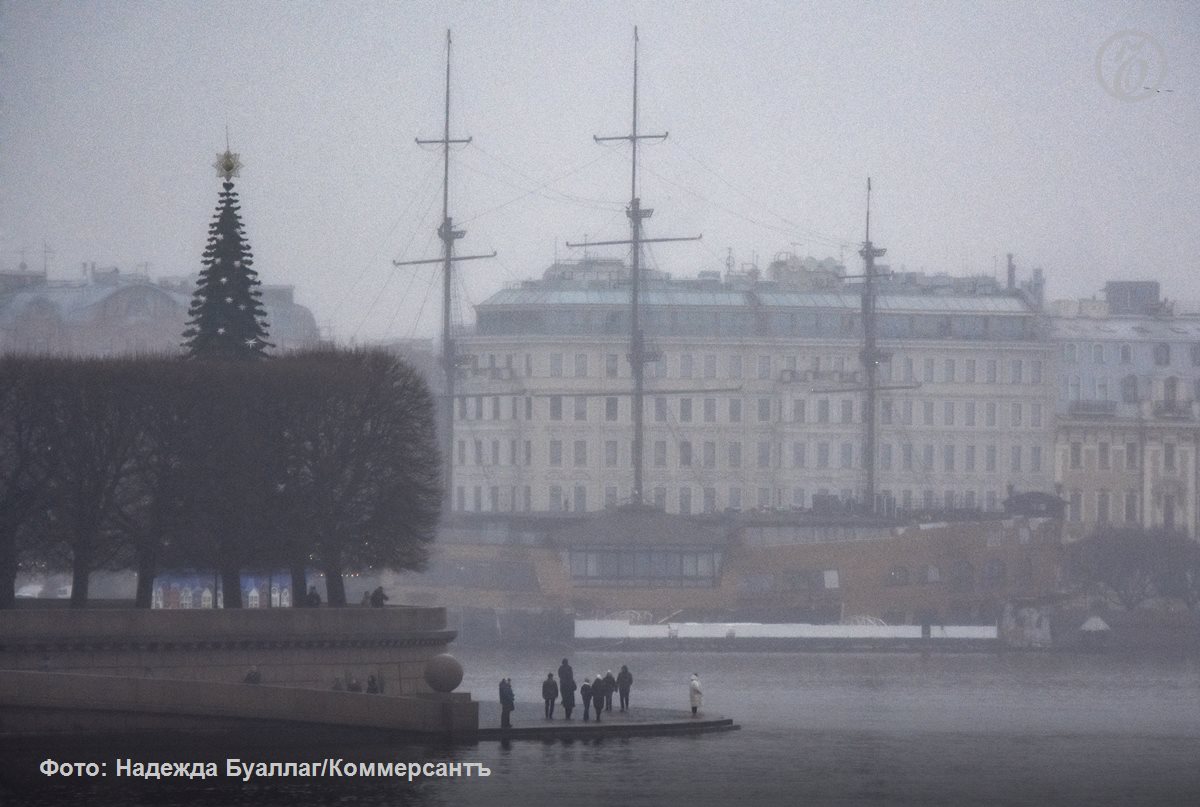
(755,400)
(1129,423)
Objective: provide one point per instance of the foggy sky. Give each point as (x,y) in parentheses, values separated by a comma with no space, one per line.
(984,127)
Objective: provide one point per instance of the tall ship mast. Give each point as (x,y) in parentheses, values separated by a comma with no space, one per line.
(448,235)
(639,356)
(871,356)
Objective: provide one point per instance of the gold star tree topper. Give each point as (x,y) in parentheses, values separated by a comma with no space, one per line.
(228,165)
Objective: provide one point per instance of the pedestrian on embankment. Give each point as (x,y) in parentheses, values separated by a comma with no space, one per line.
(695,694)
(598,692)
(507,703)
(624,684)
(567,688)
(610,686)
(549,694)
(585,693)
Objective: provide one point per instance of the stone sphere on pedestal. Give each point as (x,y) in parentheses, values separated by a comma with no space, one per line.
(443,673)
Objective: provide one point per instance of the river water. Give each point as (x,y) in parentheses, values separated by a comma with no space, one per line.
(846,729)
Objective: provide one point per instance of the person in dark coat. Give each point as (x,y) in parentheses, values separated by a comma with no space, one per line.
(624,684)
(253,676)
(610,686)
(585,693)
(565,673)
(549,694)
(378,598)
(598,691)
(567,689)
(372,685)
(312,599)
(507,703)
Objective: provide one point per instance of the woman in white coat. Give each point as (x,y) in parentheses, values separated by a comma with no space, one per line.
(695,693)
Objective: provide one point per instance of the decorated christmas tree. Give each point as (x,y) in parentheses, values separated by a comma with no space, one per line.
(227,319)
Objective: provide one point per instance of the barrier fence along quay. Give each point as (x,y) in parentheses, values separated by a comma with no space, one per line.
(749,635)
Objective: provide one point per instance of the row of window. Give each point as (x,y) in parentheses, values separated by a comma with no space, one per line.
(904,411)
(1103,506)
(768,454)
(1101,353)
(1104,456)
(907,368)
(696,321)
(971,414)
(767,367)
(649,566)
(687,501)
(1132,389)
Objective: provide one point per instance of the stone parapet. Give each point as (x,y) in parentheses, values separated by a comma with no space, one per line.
(40,703)
(291,647)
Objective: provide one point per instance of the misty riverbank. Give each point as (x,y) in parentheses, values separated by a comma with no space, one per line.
(1147,632)
(1140,632)
(821,728)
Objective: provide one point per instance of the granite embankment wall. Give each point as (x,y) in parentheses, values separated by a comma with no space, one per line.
(302,647)
(64,670)
(69,703)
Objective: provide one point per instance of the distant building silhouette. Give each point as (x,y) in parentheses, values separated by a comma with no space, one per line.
(108,312)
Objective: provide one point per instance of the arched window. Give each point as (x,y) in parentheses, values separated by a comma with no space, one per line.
(1129,389)
(1162,354)
(1171,389)
(898,576)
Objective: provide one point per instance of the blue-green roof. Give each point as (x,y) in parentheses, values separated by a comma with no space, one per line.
(533,296)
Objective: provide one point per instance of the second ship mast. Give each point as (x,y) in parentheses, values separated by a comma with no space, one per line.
(638,355)
(448,236)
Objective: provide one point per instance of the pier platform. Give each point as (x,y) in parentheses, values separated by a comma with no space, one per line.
(529,724)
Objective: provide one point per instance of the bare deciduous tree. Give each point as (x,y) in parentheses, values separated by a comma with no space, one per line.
(23,471)
(362,460)
(91,440)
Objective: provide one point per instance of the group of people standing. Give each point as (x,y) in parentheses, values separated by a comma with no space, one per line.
(595,693)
